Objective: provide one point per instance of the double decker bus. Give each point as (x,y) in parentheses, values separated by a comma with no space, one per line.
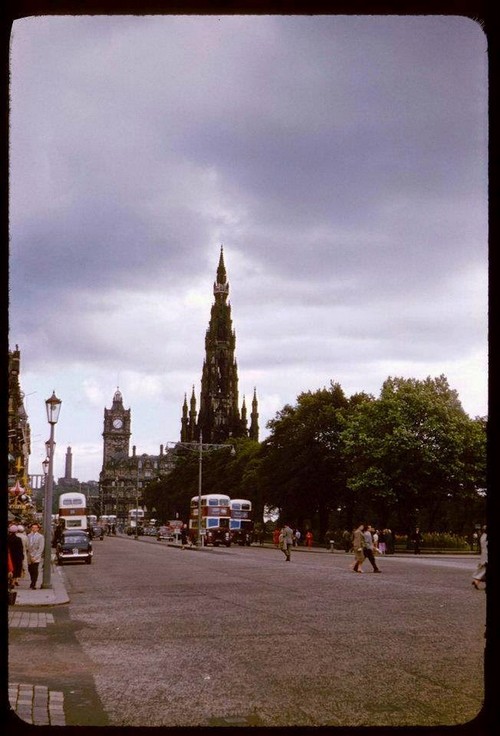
(73,510)
(215,517)
(135,521)
(241,523)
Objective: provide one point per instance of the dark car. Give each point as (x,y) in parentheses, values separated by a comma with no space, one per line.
(74,545)
(97,532)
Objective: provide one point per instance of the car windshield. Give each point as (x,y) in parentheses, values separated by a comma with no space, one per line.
(75,538)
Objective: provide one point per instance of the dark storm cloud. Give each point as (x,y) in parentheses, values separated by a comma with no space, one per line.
(340,160)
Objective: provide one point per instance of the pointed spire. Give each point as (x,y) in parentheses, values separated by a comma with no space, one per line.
(254,400)
(117,398)
(254,418)
(221,285)
(221,269)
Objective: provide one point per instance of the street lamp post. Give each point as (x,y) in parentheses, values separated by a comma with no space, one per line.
(53,406)
(45,466)
(200,472)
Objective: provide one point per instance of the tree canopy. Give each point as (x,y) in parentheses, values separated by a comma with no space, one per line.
(410,457)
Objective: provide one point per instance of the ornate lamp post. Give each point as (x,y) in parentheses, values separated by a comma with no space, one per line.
(53,406)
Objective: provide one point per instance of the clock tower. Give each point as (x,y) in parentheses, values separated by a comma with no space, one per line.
(116,432)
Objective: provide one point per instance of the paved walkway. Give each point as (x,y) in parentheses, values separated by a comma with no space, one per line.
(29,619)
(53,596)
(36,704)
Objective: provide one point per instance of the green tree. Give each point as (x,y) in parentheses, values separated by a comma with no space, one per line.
(414,454)
(303,469)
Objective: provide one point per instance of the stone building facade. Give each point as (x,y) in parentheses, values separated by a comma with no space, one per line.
(19,440)
(124,475)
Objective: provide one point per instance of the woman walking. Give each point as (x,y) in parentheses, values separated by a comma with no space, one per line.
(15,547)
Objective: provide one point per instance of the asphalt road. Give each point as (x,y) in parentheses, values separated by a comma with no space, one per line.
(158,636)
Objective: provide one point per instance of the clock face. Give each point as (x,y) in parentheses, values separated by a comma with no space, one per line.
(117,423)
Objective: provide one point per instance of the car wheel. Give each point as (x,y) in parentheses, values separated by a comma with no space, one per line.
(88,561)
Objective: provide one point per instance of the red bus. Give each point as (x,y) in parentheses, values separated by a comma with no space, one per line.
(241,524)
(214,511)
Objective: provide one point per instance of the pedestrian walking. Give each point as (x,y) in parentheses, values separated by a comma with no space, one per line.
(24,539)
(382,542)
(184,536)
(358,543)
(15,547)
(482,566)
(286,541)
(297,536)
(417,541)
(309,538)
(347,541)
(58,532)
(368,549)
(36,544)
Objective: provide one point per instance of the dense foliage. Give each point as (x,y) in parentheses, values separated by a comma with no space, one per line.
(411,457)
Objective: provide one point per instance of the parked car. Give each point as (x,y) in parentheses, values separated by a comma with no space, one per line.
(97,532)
(164,532)
(74,545)
(150,531)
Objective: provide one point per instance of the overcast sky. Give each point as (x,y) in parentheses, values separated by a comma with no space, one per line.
(341,161)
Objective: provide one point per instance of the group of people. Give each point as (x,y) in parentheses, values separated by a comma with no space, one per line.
(24,553)
(383,541)
(364,548)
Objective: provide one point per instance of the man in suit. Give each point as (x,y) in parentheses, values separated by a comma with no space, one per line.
(369,547)
(36,544)
(358,543)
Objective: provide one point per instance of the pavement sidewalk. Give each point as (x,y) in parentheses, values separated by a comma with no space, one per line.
(53,596)
(36,704)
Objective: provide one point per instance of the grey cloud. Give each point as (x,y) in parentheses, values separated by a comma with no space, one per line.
(341,161)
